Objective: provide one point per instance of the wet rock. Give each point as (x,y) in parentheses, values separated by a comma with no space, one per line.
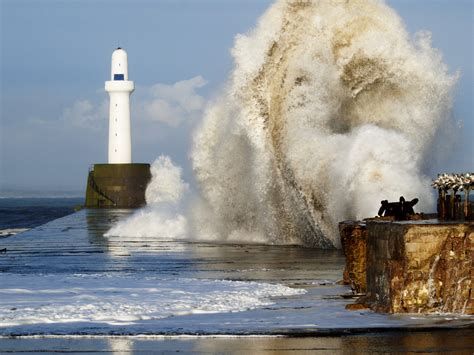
(356,306)
(353,240)
(420,266)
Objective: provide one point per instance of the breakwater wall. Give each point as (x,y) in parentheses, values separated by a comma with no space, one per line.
(117,185)
(421,266)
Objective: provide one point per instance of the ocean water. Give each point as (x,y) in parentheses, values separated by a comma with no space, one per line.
(66,278)
(21,214)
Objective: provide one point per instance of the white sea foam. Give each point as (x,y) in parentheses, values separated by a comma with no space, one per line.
(11,231)
(101,299)
(331,108)
(161,218)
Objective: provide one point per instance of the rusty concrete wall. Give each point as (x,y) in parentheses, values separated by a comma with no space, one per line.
(353,240)
(420,267)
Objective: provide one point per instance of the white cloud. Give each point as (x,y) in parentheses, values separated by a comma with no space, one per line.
(163,111)
(85,114)
(173,104)
(168,104)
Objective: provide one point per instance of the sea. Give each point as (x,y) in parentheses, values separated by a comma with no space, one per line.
(19,214)
(65,286)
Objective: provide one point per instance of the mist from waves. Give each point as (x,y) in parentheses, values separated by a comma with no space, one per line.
(162,216)
(330,108)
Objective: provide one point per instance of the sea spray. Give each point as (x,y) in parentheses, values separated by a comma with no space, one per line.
(330,108)
(161,218)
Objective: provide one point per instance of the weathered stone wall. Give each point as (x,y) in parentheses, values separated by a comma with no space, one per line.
(353,241)
(419,266)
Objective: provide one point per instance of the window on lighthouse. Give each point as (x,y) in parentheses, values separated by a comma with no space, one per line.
(119,77)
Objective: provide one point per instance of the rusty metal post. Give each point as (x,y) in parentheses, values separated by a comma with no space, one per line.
(466,203)
(442,204)
(453,208)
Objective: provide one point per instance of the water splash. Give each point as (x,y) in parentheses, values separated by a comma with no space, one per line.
(162,217)
(330,108)
(432,297)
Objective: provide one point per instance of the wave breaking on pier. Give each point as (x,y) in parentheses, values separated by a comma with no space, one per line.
(330,108)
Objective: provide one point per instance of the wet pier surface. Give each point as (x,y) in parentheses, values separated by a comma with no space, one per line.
(66,278)
(452,342)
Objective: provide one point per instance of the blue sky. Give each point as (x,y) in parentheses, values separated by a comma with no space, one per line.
(55,57)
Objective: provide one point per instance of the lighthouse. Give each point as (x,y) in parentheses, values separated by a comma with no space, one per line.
(119,89)
(119,183)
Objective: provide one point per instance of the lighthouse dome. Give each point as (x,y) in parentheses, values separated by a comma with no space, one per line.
(119,65)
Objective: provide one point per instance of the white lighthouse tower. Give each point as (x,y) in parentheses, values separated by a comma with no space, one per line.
(119,89)
(120,183)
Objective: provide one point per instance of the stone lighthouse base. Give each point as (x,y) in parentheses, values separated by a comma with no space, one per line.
(117,185)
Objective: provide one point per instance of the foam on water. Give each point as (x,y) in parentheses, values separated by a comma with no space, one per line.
(66,278)
(53,299)
(331,107)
